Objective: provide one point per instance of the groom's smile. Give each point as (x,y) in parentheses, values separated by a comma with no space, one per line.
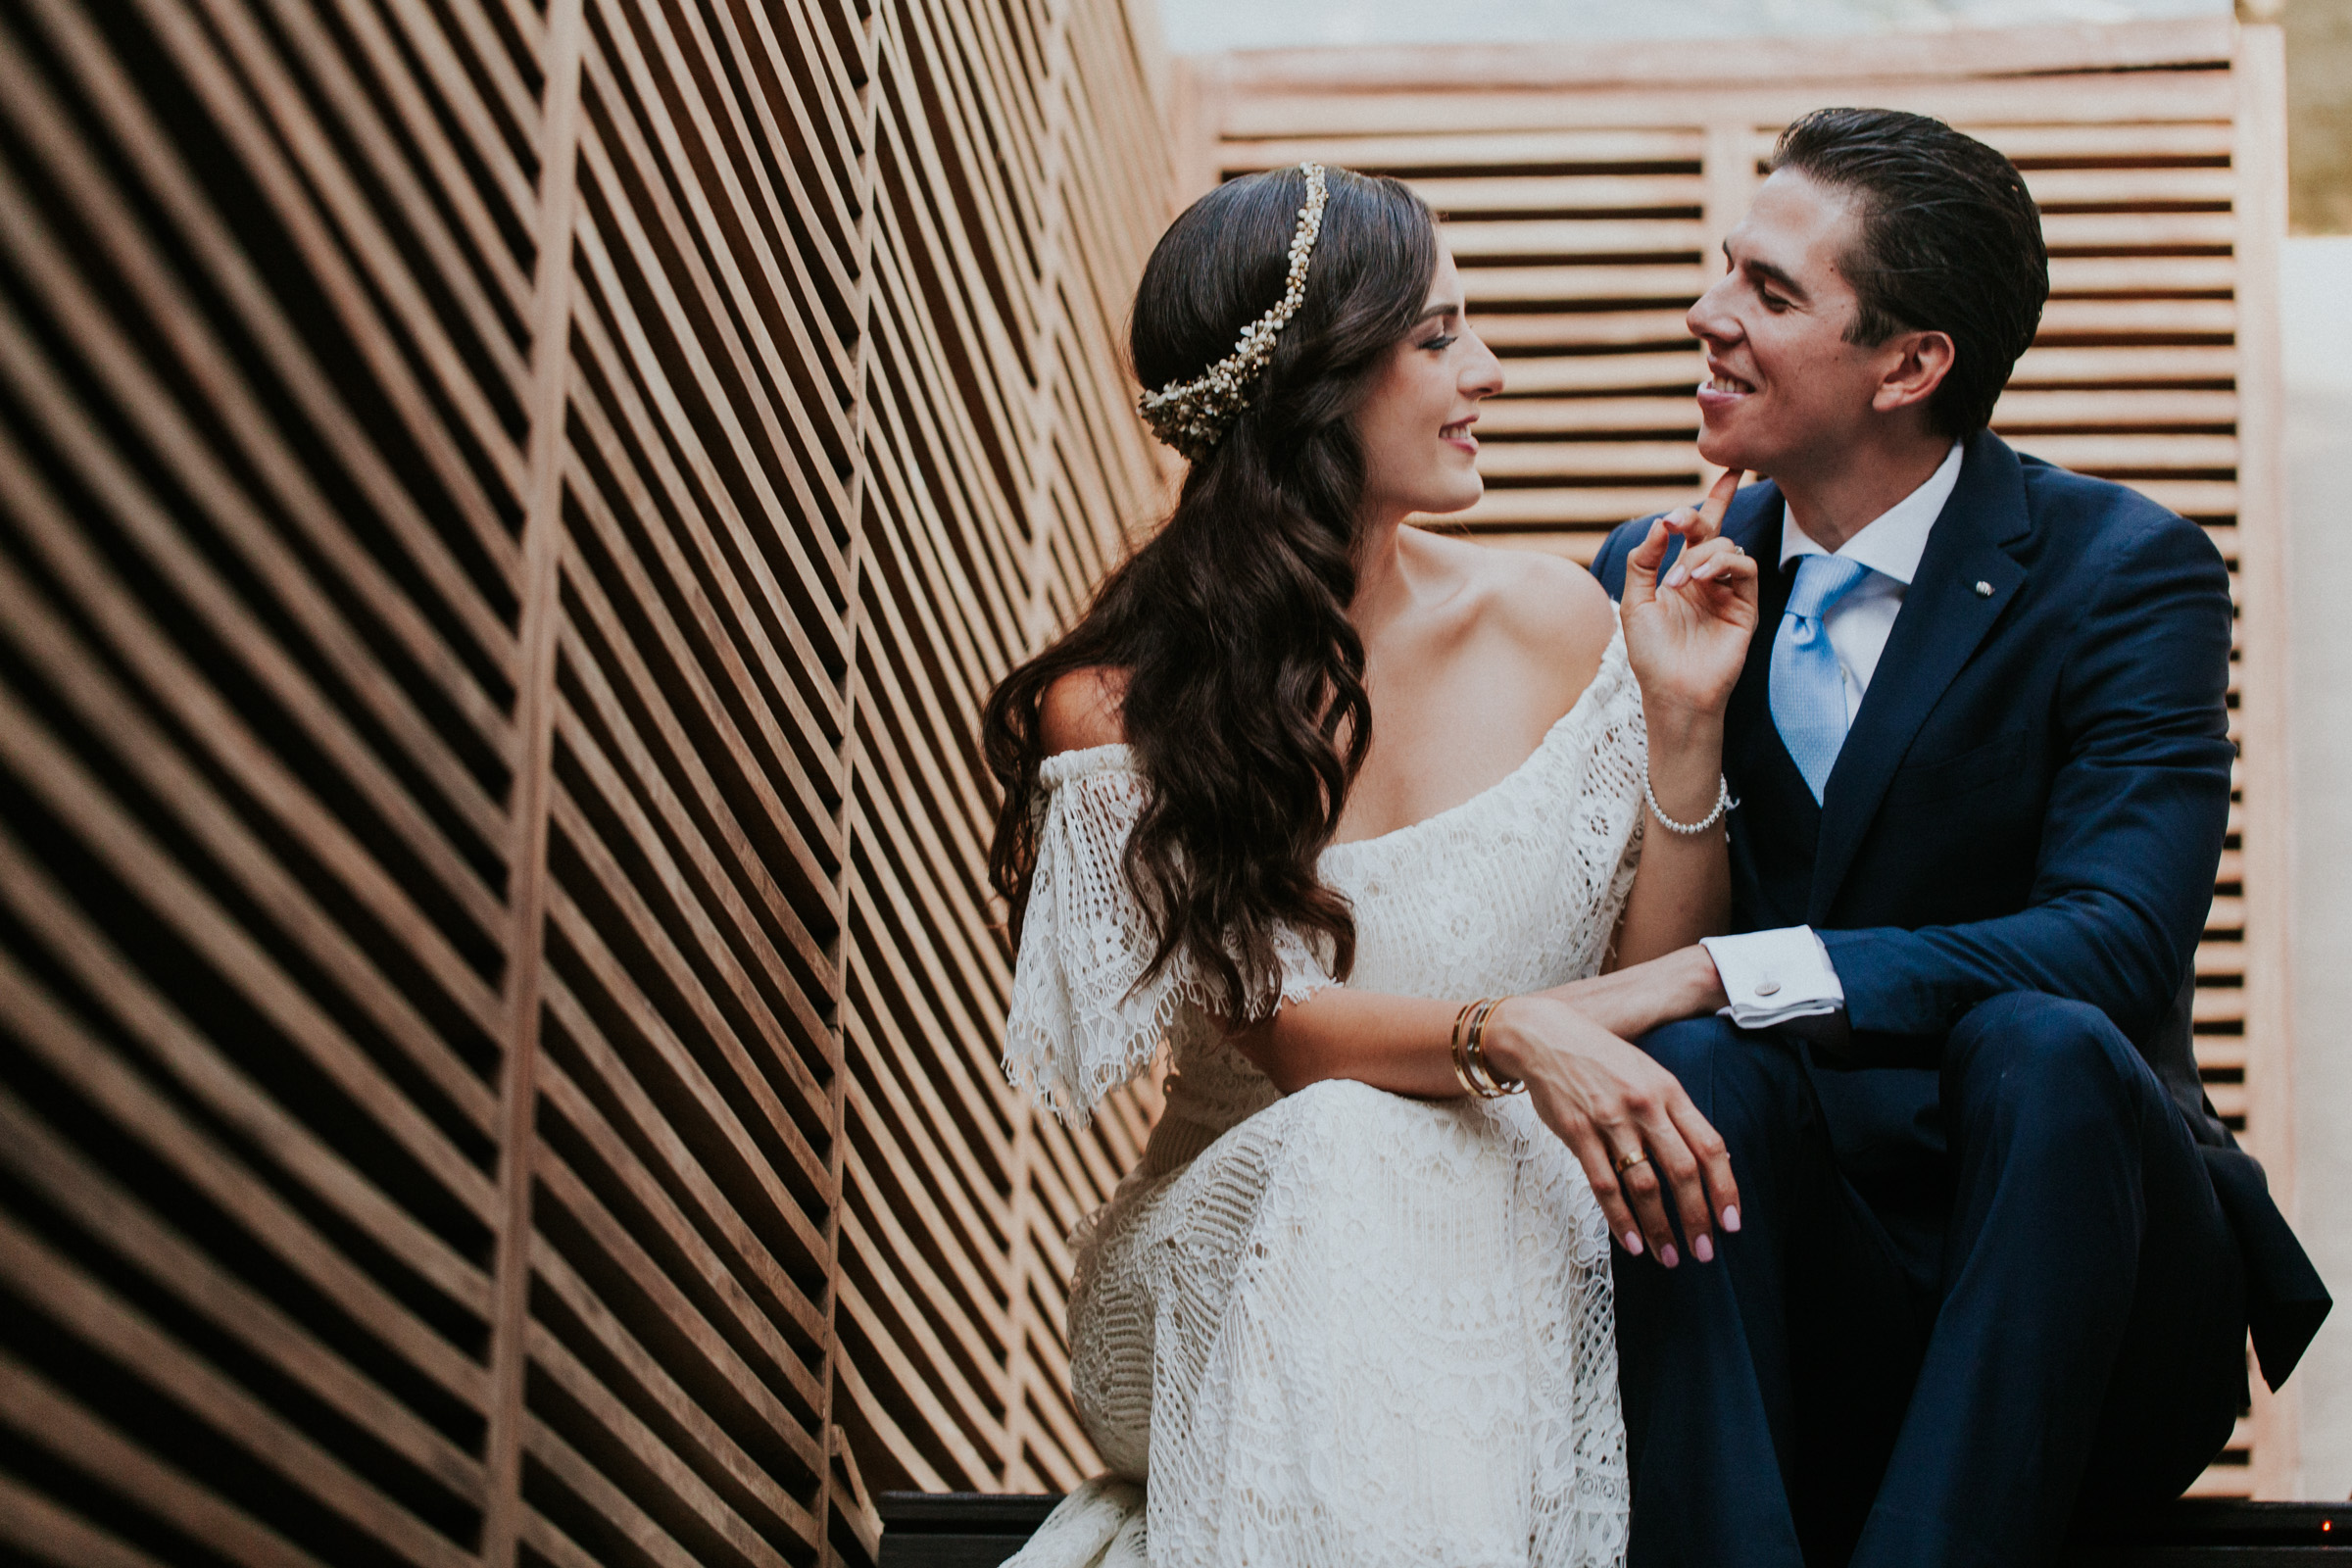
(1785,382)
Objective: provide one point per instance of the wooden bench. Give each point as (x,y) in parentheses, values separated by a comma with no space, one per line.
(973,1529)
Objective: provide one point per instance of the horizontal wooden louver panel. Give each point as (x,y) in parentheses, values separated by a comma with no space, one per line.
(1587,212)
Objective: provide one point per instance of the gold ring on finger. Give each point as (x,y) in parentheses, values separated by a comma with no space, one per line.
(1626,1163)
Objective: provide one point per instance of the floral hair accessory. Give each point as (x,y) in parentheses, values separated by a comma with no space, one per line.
(1192,416)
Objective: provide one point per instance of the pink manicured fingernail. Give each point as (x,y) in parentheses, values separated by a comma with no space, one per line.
(1702,1249)
(1675,578)
(1731,1216)
(1668,1255)
(1633,1242)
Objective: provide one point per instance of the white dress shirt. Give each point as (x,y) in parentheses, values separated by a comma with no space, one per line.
(1773,976)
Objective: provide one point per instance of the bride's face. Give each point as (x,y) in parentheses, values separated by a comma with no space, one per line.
(1414,424)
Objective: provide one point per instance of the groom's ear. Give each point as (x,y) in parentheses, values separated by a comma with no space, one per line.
(1915,366)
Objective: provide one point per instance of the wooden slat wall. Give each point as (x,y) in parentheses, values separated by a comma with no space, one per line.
(1586,193)
(507,509)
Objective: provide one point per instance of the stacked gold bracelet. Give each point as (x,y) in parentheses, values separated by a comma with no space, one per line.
(1470,1067)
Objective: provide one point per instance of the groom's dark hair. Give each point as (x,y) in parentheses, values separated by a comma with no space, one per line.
(1951,242)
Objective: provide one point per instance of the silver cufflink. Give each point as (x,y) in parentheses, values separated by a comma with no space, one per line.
(1983,590)
(1765,988)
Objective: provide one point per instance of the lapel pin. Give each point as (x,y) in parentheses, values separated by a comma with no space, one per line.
(1983,590)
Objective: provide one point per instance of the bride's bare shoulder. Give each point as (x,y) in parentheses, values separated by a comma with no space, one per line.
(1547,603)
(1081,709)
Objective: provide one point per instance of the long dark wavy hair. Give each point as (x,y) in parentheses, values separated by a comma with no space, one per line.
(1243,690)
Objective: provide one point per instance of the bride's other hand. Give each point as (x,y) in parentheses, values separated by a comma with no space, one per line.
(1686,636)
(1609,1103)
(1630,1002)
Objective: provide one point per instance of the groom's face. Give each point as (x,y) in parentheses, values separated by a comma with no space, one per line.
(1785,393)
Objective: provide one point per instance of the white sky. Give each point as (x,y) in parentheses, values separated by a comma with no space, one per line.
(1200,26)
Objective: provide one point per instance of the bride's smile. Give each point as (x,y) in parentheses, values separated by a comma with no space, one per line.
(1420,451)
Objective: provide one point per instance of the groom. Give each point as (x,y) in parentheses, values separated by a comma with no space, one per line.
(1998,1259)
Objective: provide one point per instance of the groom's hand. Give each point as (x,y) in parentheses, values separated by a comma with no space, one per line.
(1629,1122)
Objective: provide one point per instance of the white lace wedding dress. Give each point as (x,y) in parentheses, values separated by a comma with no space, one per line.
(1344,1327)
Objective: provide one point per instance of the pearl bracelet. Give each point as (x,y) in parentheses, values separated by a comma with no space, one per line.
(1723,803)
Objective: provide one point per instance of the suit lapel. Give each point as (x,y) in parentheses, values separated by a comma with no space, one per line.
(1945,618)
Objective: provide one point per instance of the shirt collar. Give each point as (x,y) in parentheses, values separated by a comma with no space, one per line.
(1891,543)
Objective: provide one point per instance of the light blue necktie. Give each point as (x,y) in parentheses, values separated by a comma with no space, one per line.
(1808,686)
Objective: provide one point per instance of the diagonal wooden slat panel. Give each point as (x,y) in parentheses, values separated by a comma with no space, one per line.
(507,516)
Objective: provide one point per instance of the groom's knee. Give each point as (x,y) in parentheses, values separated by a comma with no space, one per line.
(2049,1069)
(2029,1044)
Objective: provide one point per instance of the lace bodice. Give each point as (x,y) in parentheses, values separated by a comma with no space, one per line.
(1514,890)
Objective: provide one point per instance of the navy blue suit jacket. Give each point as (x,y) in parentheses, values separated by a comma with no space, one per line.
(2033,797)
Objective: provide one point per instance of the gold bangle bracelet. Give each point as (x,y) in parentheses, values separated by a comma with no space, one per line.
(1489,1086)
(1461,1056)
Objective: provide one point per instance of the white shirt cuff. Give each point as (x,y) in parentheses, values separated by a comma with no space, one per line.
(1774,976)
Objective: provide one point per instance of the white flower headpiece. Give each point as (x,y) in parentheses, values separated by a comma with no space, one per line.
(1191,415)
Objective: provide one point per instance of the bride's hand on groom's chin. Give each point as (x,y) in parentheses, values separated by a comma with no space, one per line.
(1631,1125)
(1687,634)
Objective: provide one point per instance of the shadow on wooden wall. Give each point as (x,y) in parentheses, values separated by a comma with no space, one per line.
(507,513)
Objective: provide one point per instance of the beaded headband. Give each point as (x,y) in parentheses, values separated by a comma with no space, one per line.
(1192,415)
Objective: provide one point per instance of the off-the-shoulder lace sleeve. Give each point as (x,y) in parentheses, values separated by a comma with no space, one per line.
(1083,1020)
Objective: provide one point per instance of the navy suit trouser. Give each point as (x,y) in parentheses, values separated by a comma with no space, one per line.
(1825,1394)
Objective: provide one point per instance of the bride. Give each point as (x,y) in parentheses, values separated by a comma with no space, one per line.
(1350,814)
